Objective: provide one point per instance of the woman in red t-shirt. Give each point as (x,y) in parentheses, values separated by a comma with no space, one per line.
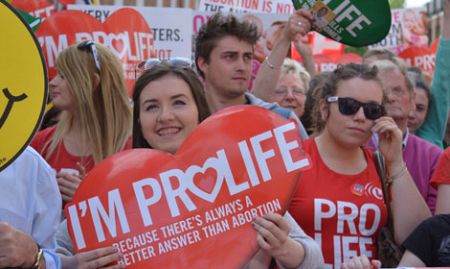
(339,201)
(96,116)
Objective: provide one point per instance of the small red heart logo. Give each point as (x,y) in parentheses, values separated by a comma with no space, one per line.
(125,32)
(206,182)
(193,209)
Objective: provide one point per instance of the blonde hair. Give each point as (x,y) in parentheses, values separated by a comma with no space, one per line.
(104,112)
(293,67)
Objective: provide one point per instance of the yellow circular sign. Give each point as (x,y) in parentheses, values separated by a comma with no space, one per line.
(23,84)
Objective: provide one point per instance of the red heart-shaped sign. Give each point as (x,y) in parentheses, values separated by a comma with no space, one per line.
(37,8)
(125,32)
(159,211)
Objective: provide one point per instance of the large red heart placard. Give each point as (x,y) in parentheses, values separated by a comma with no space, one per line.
(37,8)
(125,32)
(193,209)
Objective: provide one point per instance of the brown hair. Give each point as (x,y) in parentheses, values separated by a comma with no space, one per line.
(156,72)
(219,26)
(310,102)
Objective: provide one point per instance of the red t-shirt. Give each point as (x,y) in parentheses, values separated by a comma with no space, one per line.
(61,159)
(343,213)
(442,173)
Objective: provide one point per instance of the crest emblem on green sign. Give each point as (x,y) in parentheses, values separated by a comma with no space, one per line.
(351,22)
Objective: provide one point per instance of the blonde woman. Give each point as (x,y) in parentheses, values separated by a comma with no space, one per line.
(290,90)
(291,87)
(96,115)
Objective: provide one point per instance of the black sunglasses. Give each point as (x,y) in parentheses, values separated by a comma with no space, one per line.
(349,106)
(180,62)
(89,45)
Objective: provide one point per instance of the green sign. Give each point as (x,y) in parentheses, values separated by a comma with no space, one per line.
(32,21)
(352,22)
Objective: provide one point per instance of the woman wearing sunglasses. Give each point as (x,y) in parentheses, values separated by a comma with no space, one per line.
(95,122)
(339,201)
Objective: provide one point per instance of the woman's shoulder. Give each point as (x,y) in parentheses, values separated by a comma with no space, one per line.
(46,132)
(42,137)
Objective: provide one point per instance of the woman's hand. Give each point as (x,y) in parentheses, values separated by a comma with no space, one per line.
(390,140)
(273,237)
(298,25)
(68,182)
(273,233)
(361,262)
(107,258)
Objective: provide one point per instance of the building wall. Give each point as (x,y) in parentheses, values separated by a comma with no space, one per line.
(436,14)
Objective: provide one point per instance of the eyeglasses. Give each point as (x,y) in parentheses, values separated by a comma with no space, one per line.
(349,106)
(90,46)
(152,62)
(282,92)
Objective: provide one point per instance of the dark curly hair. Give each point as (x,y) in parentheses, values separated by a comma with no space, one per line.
(156,72)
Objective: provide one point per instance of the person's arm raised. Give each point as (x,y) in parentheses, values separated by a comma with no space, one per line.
(433,129)
(298,25)
(306,52)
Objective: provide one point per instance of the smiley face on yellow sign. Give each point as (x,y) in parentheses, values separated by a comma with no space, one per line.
(23,84)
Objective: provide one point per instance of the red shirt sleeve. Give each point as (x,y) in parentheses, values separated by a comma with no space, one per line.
(442,173)
(41,140)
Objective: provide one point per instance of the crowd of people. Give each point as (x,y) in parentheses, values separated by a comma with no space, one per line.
(346,118)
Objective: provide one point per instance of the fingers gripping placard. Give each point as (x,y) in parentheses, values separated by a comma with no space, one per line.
(23,87)
(351,22)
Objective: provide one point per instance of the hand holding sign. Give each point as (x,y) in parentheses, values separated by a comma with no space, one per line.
(154,206)
(298,25)
(273,237)
(98,258)
(351,22)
